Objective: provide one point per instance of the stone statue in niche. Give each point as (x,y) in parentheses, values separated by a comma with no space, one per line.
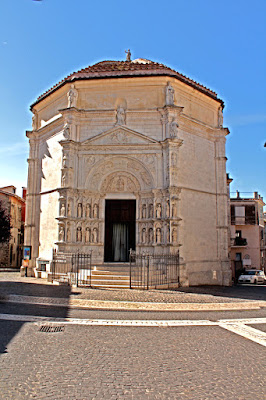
(68,234)
(79,234)
(174,235)
(69,209)
(173,129)
(168,233)
(95,211)
(72,97)
(63,180)
(120,116)
(120,184)
(66,131)
(64,164)
(169,95)
(173,159)
(63,210)
(95,235)
(79,210)
(144,211)
(158,235)
(143,235)
(151,235)
(158,210)
(220,117)
(61,234)
(150,210)
(88,210)
(34,121)
(167,209)
(88,235)
(174,210)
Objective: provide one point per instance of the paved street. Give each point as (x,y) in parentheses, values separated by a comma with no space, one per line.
(51,352)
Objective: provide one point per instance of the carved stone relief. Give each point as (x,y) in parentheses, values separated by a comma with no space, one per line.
(120,183)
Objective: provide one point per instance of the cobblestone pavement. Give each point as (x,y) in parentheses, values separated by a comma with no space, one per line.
(95,362)
(12,283)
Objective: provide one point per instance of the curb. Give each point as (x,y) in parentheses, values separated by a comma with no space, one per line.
(132,306)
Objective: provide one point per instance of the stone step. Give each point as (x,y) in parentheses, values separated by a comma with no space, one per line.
(109,277)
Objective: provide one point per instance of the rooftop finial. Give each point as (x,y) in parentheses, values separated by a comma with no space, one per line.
(128,55)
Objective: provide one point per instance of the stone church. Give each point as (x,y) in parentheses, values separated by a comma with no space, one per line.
(130,155)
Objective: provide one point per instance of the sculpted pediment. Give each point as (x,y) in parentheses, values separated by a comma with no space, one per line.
(117,136)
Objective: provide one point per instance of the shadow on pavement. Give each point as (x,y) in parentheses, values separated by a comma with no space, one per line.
(245,292)
(9,328)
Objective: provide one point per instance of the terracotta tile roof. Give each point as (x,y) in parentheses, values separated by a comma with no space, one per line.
(119,69)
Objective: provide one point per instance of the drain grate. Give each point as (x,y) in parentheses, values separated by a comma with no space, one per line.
(48,329)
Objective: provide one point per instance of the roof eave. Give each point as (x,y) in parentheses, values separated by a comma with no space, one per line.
(77,78)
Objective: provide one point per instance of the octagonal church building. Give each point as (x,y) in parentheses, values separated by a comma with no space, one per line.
(130,155)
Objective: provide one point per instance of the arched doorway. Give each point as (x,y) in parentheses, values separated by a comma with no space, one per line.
(120,230)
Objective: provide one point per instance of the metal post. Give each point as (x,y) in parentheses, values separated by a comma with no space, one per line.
(77,269)
(90,267)
(130,260)
(148,271)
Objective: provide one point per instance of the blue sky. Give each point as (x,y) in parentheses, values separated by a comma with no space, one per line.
(219,44)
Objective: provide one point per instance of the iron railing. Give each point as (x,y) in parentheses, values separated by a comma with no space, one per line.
(73,269)
(149,271)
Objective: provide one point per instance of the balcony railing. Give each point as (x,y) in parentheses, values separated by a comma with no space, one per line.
(239,242)
(243,220)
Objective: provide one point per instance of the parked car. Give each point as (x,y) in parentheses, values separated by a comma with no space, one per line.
(252,276)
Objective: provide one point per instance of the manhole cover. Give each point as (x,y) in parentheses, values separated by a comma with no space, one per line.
(48,329)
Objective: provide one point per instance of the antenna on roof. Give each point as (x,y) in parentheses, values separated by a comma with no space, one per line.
(128,55)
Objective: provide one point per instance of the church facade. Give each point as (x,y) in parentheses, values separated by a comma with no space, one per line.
(130,155)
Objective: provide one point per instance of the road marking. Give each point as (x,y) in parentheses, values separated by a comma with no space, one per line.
(246,331)
(237,326)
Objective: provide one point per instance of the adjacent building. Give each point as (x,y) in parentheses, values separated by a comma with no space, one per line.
(11,252)
(247,233)
(130,154)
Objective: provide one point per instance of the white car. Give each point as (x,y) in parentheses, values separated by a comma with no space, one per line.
(252,276)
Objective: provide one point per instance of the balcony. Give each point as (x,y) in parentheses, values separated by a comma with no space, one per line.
(243,220)
(239,242)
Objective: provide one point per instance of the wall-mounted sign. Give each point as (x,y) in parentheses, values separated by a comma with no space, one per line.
(26,252)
